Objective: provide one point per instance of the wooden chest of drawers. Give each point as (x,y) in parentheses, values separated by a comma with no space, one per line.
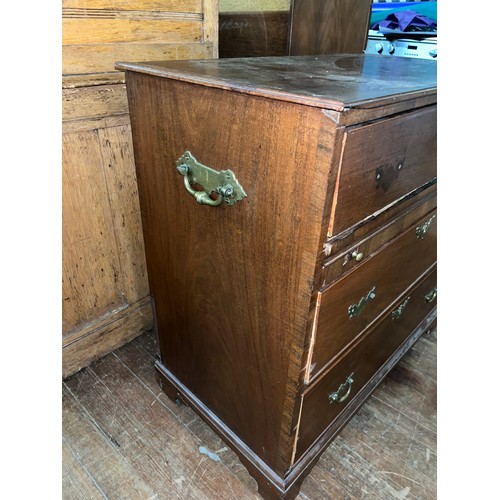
(289,216)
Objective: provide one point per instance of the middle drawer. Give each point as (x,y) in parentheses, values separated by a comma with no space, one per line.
(350,305)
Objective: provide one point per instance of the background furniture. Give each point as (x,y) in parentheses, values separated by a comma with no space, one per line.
(293,27)
(328,26)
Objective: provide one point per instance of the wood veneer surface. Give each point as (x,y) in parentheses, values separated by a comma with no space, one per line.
(339,80)
(251,336)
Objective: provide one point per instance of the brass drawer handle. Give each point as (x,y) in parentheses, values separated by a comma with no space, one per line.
(422,230)
(224,183)
(430,296)
(399,310)
(356,309)
(342,393)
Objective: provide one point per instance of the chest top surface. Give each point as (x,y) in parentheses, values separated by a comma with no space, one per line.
(332,81)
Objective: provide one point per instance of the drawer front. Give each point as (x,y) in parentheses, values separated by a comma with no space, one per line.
(348,307)
(324,400)
(382,162)
(354,256)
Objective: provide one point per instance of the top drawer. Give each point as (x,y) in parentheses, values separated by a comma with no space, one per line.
(383,161)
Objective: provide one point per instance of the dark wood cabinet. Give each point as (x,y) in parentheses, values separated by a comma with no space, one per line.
(289,215)
(328,26)
(307,27)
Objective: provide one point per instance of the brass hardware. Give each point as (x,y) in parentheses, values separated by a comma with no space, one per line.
(342,393)
(429,297)
(421,230)
(224,183)
(356,309)
(398,311)
(357,255)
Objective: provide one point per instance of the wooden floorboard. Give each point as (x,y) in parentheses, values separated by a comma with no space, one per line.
(124,439)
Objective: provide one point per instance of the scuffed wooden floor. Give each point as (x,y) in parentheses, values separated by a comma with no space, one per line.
(124,439)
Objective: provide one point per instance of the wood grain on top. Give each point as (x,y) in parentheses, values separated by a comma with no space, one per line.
(329,81)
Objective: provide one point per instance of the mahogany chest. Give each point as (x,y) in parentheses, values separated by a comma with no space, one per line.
(289,216)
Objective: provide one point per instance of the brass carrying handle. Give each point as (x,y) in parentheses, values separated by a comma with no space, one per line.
(223,183)
(342,393)
(356,309)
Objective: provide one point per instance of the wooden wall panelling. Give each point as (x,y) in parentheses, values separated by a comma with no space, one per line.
(90,258)
(82,103)
(78,58)
(84,31)
(150,6)
(97,33)
(211,25)
(102,336)
(118,164)
(105,289)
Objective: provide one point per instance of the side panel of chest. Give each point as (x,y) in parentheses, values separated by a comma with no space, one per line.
(232,284)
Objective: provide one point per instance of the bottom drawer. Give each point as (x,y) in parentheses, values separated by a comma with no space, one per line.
(328,397)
